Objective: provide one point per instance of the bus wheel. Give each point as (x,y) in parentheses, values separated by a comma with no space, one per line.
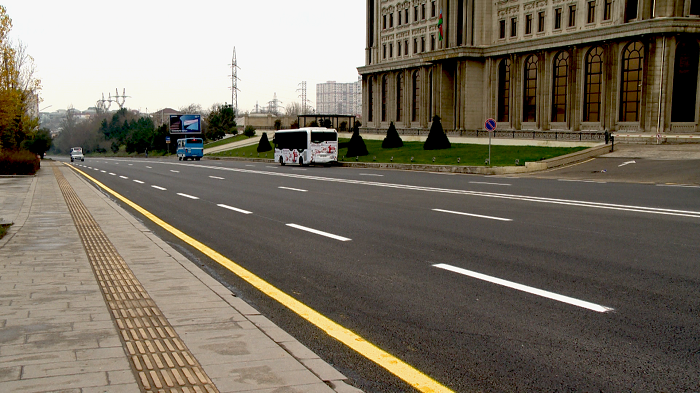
(282,161)
(179,158)
(197,158)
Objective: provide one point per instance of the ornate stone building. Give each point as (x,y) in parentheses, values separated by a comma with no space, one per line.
(569,65)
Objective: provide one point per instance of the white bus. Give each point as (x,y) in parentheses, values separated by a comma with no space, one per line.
(315,145)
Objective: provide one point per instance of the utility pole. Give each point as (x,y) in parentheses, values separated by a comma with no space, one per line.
(234,81)
(273,105)
(123,97)
(303,97)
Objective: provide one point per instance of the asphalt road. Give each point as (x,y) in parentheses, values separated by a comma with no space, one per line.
(432,267)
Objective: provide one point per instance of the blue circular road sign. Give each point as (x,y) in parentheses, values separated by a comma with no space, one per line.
(490,124)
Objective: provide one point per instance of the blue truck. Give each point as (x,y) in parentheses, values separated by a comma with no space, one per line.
(190,148)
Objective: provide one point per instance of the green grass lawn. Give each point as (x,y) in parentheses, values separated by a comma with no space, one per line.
(472,155)
(220,142)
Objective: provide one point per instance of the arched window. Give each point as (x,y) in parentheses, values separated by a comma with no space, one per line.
(370,99)
(430,94)
(399,96)
(416,96)
(530,90)
(631,92)
(503,90)
(559,86)
(594,85)
(685,82)
(384,91)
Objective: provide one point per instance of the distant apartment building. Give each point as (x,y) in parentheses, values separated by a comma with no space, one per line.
(339,98)
(571,65)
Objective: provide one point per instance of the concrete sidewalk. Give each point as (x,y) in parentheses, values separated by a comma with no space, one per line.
(93,301)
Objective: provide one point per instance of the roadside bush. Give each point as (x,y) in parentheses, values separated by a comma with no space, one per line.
(264,144)
(356,146)
(249,131)
(21,162)
(392,139)
(437,139)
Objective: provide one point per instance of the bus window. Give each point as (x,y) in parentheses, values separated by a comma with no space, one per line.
(291,140)
(323,136)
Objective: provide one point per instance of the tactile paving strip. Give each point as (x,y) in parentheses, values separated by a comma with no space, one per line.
(159,358)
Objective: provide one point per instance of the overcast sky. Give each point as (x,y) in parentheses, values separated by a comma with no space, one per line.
(175,53)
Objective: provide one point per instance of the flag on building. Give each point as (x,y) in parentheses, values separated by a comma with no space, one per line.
(440,24)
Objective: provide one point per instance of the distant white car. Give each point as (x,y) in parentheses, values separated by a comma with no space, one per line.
(76,153)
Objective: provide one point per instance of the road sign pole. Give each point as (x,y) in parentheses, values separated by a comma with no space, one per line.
(490,125)
(489,148)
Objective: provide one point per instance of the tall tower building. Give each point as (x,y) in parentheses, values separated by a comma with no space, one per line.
(339,98)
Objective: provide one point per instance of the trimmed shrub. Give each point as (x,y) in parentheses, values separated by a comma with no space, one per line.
(21,162)
(249,131)
(392,139)
(356,146)
(437,139)
(264,144)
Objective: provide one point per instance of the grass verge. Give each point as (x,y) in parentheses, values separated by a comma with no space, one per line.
(468,155)
(220,142)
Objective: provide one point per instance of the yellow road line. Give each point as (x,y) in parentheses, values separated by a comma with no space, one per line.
(384,359)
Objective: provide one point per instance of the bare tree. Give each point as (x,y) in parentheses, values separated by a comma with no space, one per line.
(193,109)
(293,109)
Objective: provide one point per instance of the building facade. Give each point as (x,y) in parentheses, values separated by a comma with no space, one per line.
(564,65)
(339,98)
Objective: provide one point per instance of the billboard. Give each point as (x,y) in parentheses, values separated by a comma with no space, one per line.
(185,124)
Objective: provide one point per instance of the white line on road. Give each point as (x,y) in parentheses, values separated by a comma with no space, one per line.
(370,174)
(525,198)
(174,171)
(326,234)
(491,184)
(160,188)
(678,185)
(113,174)
(103,171)
(131,164)
(123,177)
(249,165)
(473,215)
(628,162)
(217,177)
(138,181)
(272,167)
(293,189)
(298,169)
(525,288)
(582,181)
(187,196)
(148,167)
(234,209)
